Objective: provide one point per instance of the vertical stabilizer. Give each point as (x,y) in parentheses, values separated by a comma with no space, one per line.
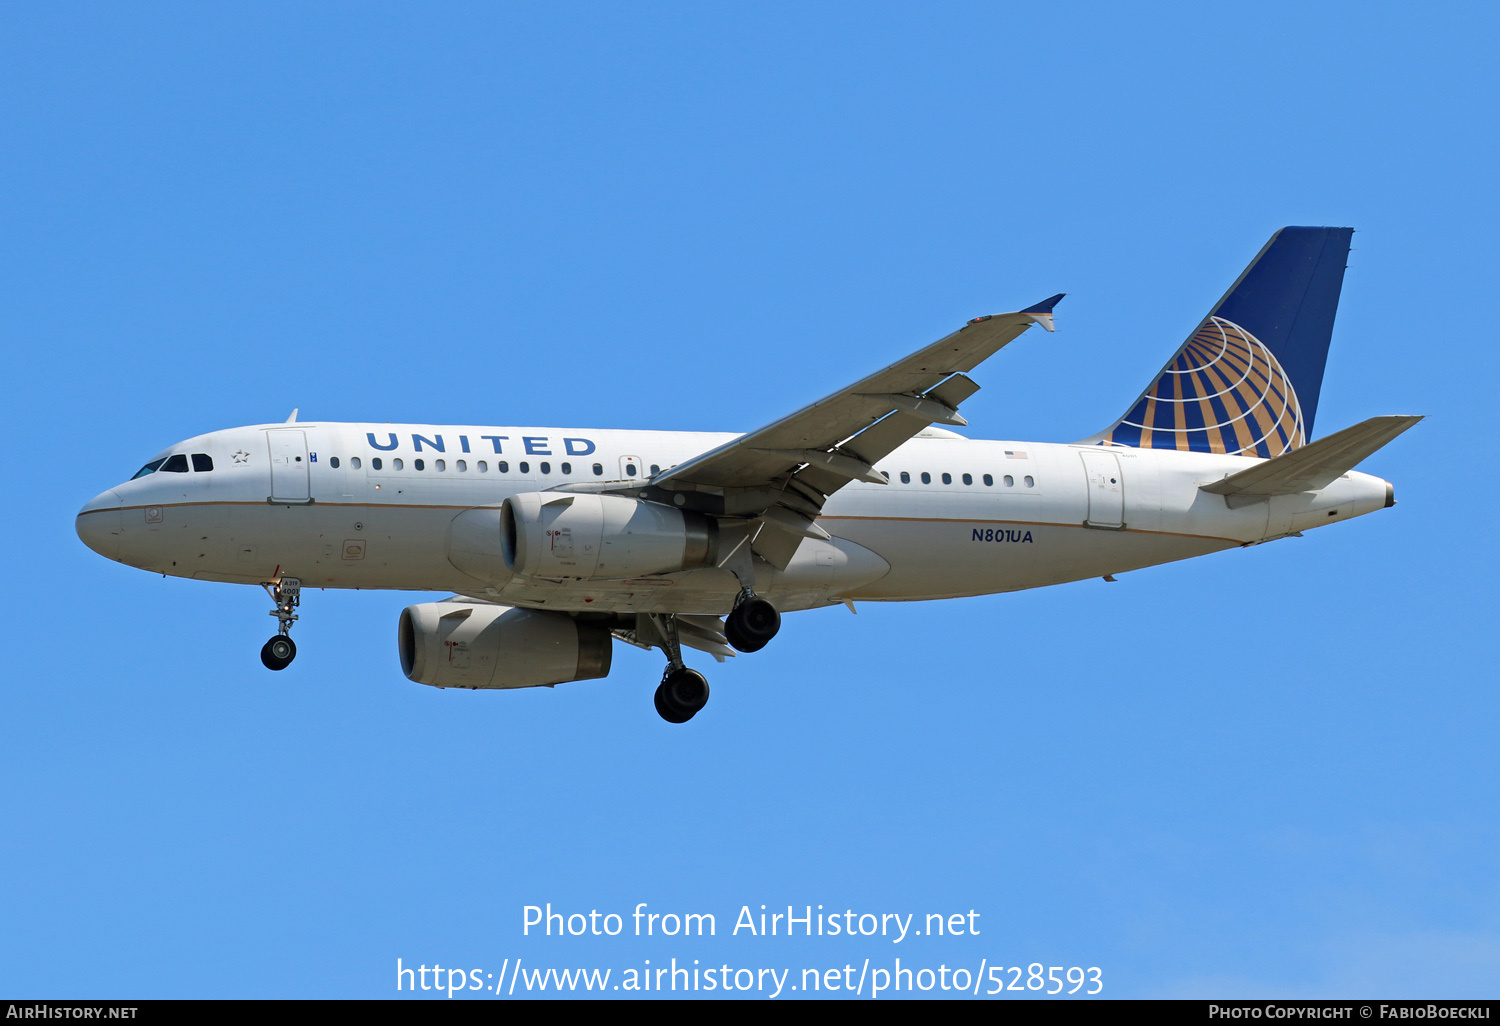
(1246,381)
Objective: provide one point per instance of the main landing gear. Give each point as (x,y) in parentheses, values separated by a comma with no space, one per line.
(752,623)
(286,592)
(682,691)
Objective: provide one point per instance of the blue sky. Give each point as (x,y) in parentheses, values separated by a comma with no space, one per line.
(1268,772)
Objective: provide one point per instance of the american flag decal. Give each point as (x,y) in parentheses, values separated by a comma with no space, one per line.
(1014,455)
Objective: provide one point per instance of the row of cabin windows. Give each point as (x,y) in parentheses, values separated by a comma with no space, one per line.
(503,467)
(177,463)
(481,466)
(968,479)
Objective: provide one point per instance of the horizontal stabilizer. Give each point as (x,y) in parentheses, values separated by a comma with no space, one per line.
(1316,464)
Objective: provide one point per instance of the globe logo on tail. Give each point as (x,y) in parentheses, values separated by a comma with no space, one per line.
(1223,392)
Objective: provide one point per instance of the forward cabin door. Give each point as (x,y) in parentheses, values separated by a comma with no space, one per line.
(1101,468)
(289,467)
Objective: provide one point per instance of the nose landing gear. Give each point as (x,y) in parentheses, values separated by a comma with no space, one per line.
(286,592)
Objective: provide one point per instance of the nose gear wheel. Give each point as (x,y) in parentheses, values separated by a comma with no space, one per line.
(286,592)
(278,653)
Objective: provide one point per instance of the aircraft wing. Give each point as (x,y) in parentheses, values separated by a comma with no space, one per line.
(785,471)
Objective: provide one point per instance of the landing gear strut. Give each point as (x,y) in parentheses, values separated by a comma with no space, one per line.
(682,691)
(286,592)
(752,623)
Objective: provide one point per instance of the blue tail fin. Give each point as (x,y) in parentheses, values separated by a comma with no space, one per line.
(1246,382)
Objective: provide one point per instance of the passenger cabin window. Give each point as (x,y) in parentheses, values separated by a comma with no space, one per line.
(483,467)
(150,468)
(546,468)
(989,481)
(203,462)
(630,470)
(1029,482)
(354,462)
(419,464)
(376,463)
(175,464)
(398,464)
(1009,481)
(440,465)
(655,470)
(905,477)
(462,465)
(567,468)
(968,479)
(525,468)
(947,479)
(502,467)
(926,477)
(598,470)
(333,461)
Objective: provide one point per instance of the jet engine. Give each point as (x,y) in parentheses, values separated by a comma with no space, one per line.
(476,645)
(602,537)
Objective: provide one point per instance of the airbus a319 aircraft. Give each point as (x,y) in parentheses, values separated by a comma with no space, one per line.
(558,542)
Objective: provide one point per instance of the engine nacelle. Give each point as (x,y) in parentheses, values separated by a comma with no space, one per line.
(476,645)
(602,537)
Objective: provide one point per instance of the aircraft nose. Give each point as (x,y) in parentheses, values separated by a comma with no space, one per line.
(99,524)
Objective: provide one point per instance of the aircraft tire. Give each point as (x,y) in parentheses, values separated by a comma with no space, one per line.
(667,711)
(752,624)
(278,653)
(681,694)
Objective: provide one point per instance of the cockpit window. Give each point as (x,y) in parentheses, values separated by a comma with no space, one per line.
(149,468)
(202,462)
(175,465)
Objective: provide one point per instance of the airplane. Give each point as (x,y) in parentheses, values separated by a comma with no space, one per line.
(556,543)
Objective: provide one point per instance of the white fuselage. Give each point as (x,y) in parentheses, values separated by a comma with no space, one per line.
(345,506)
